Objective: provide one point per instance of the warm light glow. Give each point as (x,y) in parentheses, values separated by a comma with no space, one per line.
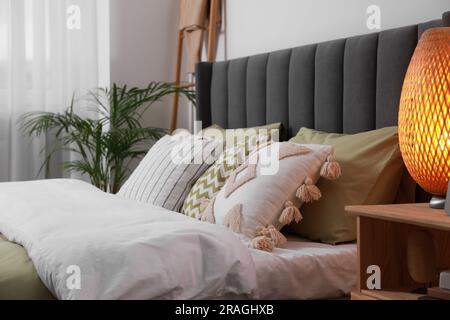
(424,117)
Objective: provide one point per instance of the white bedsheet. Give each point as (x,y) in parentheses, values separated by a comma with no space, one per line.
(124,249)
(306,270)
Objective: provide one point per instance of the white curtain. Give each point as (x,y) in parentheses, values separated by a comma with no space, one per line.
(49,50)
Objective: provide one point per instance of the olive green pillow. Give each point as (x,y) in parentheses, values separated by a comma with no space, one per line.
(215,131)
(235,153)
(372,169)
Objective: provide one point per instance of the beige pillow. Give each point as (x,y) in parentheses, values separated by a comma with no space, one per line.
(235,153)
(372,168)
(264,194)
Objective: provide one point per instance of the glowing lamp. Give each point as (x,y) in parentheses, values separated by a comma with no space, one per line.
(424,116)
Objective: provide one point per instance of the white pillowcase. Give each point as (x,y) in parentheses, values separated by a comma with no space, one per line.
(166,174)
(258,204)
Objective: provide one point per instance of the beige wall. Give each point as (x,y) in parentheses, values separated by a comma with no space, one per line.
(143,44)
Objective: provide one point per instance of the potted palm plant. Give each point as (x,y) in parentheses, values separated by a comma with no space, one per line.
(106,143)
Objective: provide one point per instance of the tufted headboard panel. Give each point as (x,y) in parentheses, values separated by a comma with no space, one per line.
(343,86)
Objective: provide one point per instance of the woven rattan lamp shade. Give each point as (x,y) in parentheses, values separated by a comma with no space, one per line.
(424,117)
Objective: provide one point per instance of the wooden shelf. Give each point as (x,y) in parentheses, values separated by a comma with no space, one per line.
(439,293)
(390,295)
(383,232)
(414,214)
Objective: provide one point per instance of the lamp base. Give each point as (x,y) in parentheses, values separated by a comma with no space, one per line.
(437,202)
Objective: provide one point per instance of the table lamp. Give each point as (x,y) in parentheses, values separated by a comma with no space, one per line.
(424,116)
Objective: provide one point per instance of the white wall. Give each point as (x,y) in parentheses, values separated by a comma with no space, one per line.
(143,33)
(255,26)
(143,44)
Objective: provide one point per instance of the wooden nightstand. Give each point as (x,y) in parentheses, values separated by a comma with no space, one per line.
(382,232)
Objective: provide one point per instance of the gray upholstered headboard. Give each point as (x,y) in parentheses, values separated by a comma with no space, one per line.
(346,85)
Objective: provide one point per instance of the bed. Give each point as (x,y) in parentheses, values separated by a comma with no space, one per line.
(300,270)
(343,86)
(106,258)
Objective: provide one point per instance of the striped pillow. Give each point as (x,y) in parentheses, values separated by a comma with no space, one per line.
(166,174)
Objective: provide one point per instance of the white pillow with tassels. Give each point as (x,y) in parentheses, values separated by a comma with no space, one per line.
(264,194)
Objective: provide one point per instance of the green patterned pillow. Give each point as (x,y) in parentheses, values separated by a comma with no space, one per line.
(214,178)
(210,183)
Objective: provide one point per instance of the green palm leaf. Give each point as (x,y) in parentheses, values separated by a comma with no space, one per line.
(107,142)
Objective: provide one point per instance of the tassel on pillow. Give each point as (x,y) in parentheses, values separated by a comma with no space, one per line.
(277,237)
(263,243)
(207,214)
(290,213)
(262,231)
(308,192)
(272,233)
(331,169)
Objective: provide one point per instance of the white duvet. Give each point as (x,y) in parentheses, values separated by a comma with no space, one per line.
(122,249)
